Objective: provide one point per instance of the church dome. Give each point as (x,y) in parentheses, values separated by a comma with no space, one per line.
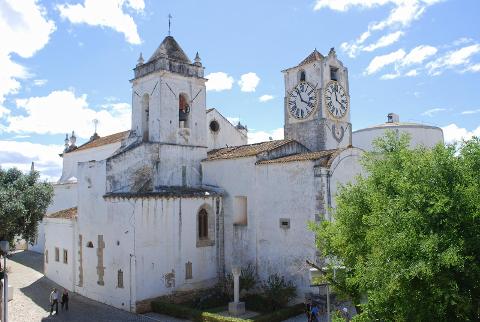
(170,49)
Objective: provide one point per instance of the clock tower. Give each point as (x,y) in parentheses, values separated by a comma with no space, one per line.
(317,103)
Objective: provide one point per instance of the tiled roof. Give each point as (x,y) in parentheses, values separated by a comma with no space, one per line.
(315,55)
(109,139)
(325,157)
(169,192)
(245,150)
(69,213)
(172,50)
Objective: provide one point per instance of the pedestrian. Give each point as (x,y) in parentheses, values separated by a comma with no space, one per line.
(65,299)
(54,301)
(314,314)
(308,308)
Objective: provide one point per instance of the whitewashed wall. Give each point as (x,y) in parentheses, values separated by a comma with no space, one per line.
(420,135)
(71,159)
(227,135)
(59,233)
(117,231)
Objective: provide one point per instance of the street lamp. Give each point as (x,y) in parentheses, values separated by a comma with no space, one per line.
(4,247)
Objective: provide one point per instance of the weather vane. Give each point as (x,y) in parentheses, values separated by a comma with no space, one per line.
(169,23)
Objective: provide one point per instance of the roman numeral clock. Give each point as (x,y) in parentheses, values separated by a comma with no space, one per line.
(302,100)
(317,103)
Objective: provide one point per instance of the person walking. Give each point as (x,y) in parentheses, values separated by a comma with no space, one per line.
(54,301)
(65,299)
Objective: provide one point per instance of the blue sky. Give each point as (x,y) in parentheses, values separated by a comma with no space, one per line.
(64,63)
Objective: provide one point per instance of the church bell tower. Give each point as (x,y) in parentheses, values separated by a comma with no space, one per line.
(168,97)
(317,103)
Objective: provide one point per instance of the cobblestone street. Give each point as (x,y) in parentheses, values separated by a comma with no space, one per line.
(31,297)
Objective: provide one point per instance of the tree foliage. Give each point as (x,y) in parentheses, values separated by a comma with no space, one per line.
(409,233)
(23,202)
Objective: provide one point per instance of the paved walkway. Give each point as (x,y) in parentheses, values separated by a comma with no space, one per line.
(31,298)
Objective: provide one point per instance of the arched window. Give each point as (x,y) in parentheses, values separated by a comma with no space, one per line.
(202,224)
(302,76)
(145,116)
(183,110)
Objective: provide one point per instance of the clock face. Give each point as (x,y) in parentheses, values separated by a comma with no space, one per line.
(336,99)
(302,100)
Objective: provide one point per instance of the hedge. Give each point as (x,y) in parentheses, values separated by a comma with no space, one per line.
(183,312)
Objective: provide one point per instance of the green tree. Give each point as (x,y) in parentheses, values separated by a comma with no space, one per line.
(409,233)
(23,202)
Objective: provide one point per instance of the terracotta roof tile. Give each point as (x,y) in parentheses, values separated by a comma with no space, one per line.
(109,139)
(325,157)
(245,150)
(69,213)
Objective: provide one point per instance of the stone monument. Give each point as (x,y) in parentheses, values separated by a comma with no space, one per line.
(236,307)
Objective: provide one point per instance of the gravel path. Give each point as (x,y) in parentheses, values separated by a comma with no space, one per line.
(31,298)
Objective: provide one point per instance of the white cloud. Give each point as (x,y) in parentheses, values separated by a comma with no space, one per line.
(469,112)
(4,111)
(105,13)
(433,111)
(418,54)
(473,68)
(379,62)
(248,82)
(403,13)
(219,81)
(39,82)
(62,111)
(266,98)
(21,154)
(385,41)
(390,76)
(453,133)
(411,73)
(455,58)
(25,29)
(262,136)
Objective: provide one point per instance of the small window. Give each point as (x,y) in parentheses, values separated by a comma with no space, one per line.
(46,256)
(214,126)
(90,244)
(188,271)
(120,278)
(284,223)
(57,254)
(65,256)
(202,224)
(333,73)
(302,76)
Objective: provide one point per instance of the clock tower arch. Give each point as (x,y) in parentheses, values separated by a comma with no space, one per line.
(317,103)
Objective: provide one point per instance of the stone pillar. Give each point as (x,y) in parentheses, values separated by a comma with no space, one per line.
(236,307)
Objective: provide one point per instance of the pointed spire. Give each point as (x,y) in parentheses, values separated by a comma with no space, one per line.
(73,140)
(197,61)
(32,167)
(67,140)
(140,60)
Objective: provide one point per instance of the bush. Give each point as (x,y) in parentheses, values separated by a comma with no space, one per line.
(248,279)
(282,314)
(178,311)
(278,292)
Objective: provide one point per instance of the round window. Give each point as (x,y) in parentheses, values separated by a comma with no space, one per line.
(214,126)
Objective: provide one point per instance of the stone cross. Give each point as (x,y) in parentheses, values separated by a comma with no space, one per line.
(236,284)
(236,307)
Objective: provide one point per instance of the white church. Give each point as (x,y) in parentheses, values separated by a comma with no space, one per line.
(175,202)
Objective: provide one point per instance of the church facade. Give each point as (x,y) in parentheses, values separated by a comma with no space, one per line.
(178,200)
